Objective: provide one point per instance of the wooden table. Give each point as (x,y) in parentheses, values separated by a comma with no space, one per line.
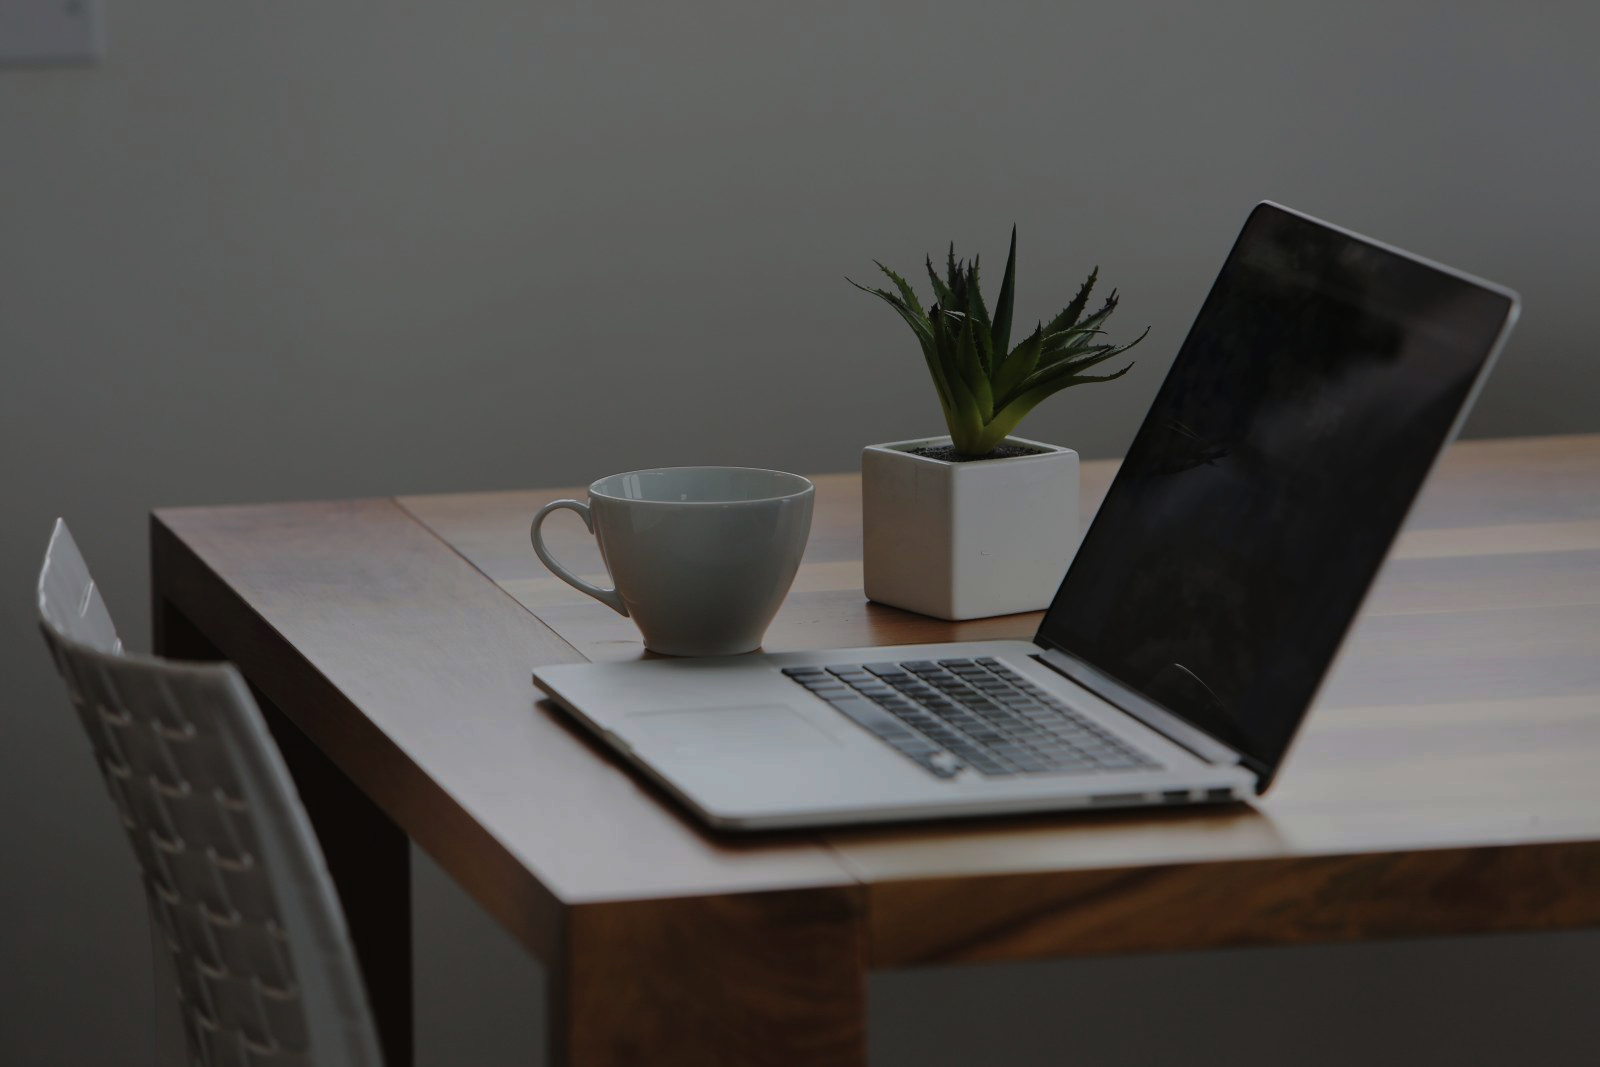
(1446,783)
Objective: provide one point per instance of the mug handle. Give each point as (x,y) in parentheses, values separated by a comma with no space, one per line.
(609,597)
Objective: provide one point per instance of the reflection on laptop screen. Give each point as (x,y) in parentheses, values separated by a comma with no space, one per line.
(1271,475)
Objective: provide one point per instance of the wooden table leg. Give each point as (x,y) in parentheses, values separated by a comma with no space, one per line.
(368,856)
(752,980)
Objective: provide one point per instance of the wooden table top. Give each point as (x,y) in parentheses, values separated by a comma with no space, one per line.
(1446,780)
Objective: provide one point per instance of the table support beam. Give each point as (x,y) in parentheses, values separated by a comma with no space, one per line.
(751,980)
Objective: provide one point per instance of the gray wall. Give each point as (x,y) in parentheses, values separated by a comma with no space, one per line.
(273,251)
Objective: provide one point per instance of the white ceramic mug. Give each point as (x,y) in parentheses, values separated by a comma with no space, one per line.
(700,557)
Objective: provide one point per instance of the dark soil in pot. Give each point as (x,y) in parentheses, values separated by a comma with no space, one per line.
(950,455)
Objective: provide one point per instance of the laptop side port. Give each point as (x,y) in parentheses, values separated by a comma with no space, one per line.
(1120,800)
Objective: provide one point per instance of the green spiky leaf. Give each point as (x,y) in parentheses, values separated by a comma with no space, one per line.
(978,319)
(1093,322)
(1068,369)
(1000,331)
(963,416)
(941,292)
(1065,340)
(1019,364)
(908,294)
(1069,314)
(918,321)
(973,372)
(1071,352)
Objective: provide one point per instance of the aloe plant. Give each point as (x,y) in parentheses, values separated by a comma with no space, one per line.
(985,386)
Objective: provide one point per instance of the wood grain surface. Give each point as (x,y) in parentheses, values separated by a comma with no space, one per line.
(395,656)
(757,980)
(1172,907)
(1463,715)
(1445,782)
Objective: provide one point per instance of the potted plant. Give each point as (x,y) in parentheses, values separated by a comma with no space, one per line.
(980,522)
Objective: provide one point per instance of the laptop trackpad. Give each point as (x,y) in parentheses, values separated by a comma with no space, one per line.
(735,728)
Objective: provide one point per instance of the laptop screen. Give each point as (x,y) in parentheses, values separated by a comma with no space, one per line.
(1263,490)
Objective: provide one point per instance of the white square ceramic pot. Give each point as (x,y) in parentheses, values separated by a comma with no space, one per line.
(967,540)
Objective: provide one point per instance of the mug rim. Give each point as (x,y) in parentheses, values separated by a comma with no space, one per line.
(806,486)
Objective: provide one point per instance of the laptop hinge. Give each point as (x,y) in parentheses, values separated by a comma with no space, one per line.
(1148,712)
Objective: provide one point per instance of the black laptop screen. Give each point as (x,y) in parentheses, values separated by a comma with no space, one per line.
(1269,478)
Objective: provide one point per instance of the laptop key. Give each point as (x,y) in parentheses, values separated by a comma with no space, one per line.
(991,766)
(872,718)
(915,745)
(938,770)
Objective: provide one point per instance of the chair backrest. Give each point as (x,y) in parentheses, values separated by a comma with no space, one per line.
(235,879)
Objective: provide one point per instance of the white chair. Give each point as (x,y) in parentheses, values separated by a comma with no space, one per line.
(236,884)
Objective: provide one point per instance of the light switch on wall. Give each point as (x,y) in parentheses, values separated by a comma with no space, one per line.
(34,32)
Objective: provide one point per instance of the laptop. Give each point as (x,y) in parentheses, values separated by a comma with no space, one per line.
(1318,385)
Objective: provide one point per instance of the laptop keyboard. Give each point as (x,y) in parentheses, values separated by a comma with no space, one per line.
(975,713)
